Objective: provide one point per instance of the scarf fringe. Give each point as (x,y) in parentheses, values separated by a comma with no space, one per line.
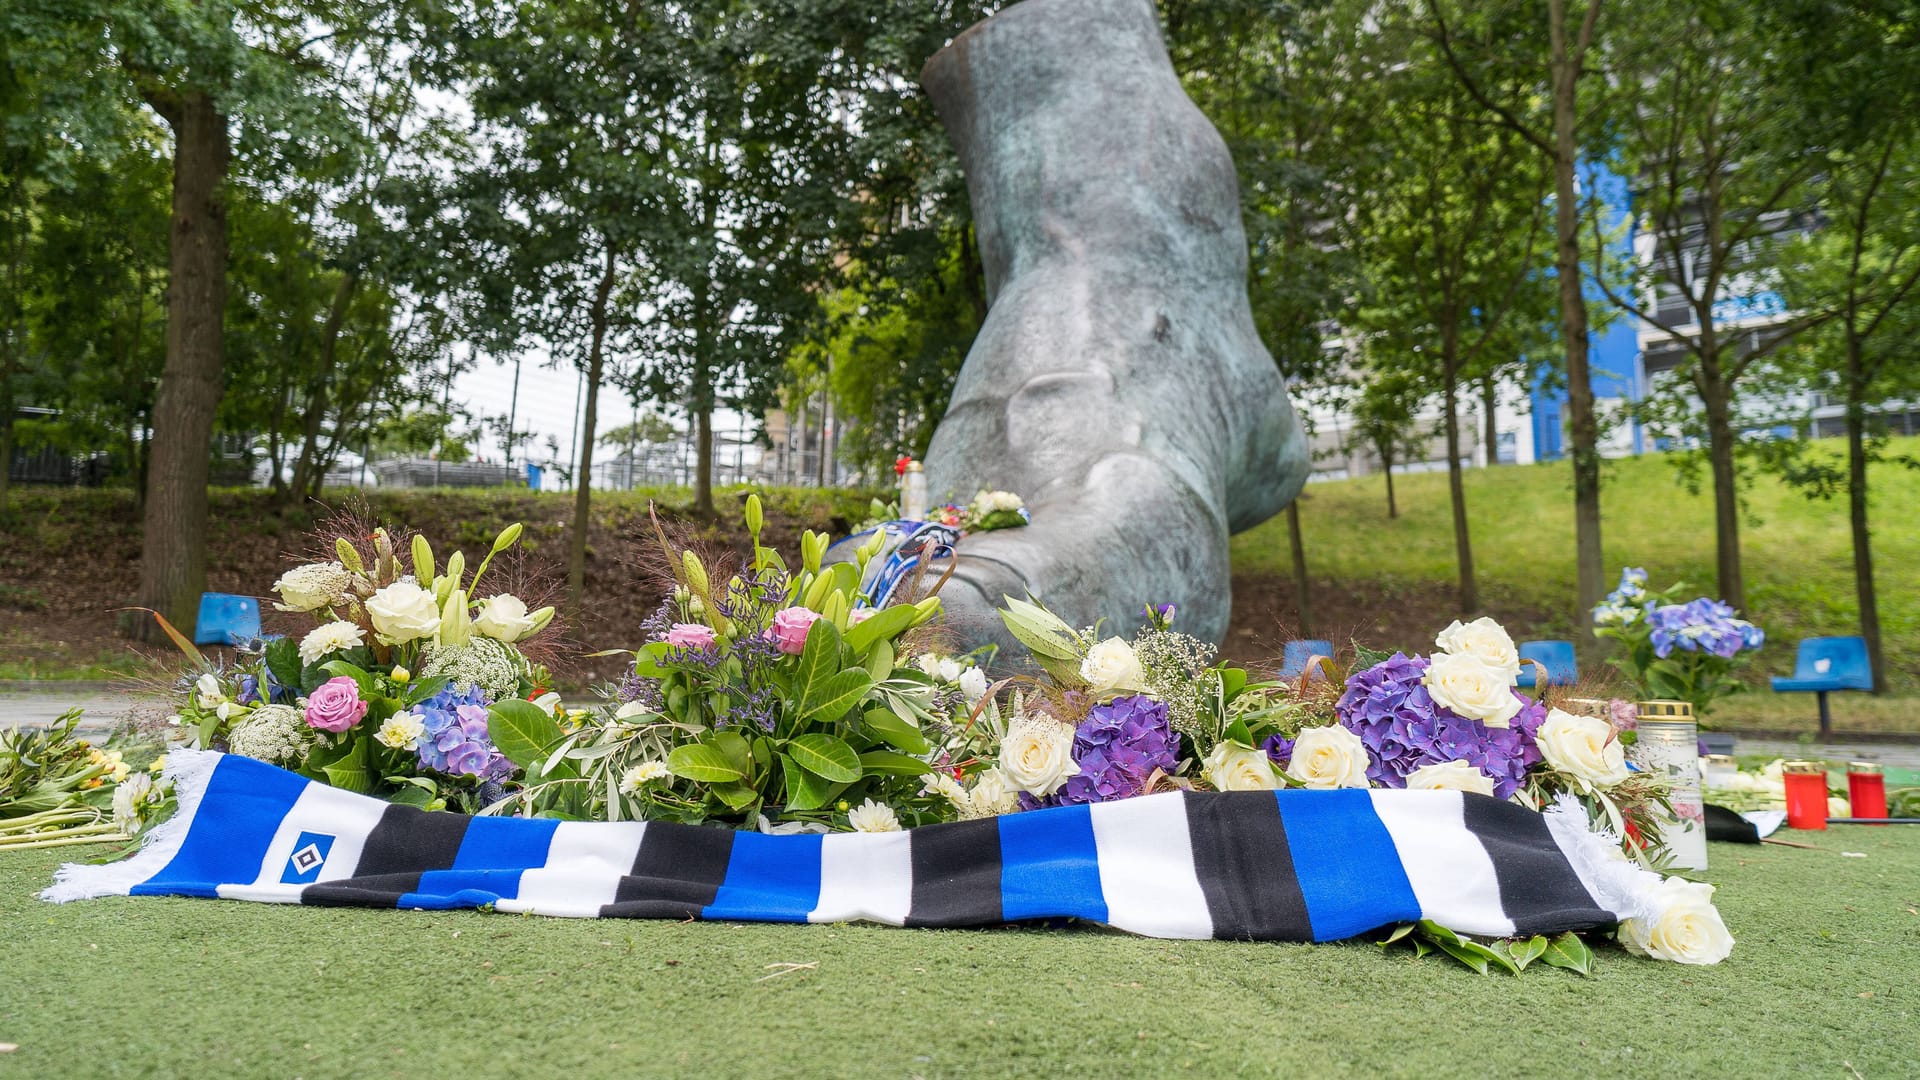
(1615,882)
(189,770)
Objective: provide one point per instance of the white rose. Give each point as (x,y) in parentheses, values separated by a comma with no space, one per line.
(1450,776)
(1037,754)
(311,587)
(973,683)
(1688,929)
(1329,757)
(1486,640)
(504,618)
(1467,685)
(871,816)
(1583,747)
(1232,767)
(1111,668)
(403,612)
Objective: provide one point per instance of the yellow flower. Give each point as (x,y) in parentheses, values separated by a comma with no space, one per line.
(159,765)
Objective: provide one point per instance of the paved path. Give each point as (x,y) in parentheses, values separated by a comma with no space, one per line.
(1892,755)
(104,708)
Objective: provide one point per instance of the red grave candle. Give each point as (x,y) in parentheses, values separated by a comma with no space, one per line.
(1806,794)
(1867,789)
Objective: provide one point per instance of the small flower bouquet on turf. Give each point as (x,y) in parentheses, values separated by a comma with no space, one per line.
(1676,651)
(404,688)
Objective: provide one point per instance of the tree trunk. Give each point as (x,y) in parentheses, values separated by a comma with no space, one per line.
(1489,398)
(1857,511)
(1583,430)
(1386,465)
(1714,396)
(6,454)
(173,558)
(1301,591)
(583,480)
(306,479)
(1457,489)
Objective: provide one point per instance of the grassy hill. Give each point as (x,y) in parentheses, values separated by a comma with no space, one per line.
(1797,553)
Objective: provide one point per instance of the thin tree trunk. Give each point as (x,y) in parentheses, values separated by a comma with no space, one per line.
(583,482)
(6,454)
(173,559)
(1857,511)
(1302,591)
(1386,464)
(1583,429)
(1714,395)
(1490,397)
(1457,489)
(306,480)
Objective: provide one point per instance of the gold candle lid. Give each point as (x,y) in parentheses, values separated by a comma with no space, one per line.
(1587,706)
(1868,767)
(1804,768)
(914,466)
(1666,710)
(1723,759)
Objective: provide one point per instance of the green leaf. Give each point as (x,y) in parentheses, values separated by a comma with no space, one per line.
(702,763)
(1040,630)
(819,661)
(1498,952)
(737,796)
(1232,681)
(1526,952)
(734,745)
(1468,953)
(884,625)
(1568,951)
(522,730)
(424,689)
(826,757)
(805,791)
(1399,932)
(903,734)
(339,668)
(886,761)
(880,661)
(829,701)
(646,659)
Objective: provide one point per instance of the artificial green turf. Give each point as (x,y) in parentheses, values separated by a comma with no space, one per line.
(1822,983)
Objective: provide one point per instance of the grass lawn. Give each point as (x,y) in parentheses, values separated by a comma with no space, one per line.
(1797,553)
(1821,983)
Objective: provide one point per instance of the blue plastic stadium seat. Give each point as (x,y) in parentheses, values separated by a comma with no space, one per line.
(1299,652)
(226,619)
(1556,656)
(1826,664)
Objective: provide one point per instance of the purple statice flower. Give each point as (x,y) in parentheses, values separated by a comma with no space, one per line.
(1279,750)
(1403,728)
(456,741)
(1118,746)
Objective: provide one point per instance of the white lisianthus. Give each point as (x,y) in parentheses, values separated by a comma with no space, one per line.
(973,683)
(1688,930)
(993,502)
(944,668)
(1470,687)
(942,783)
(1449,776)
(1484,639)
(871,816)
(1329,757)
(504,618)
(402,731)
(1583,747)
(1232,767)
(1111,667)
(1037,754)
(333,637)
(641,775)
(312,587)
(992,794)
(403,612)
(207,690)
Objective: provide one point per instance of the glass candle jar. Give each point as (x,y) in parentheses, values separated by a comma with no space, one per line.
(1867,789)
(913,492)
(1668,746)
(1806,783)
(1719,770)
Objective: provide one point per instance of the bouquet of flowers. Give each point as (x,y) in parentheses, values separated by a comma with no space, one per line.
(1673,650)
(57,789)
(762,695)
(406,687)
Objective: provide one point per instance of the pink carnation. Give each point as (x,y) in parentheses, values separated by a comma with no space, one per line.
(335,705)
(790,626)
(690,636)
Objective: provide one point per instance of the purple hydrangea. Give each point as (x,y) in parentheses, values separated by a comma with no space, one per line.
(1403,728)
(1118,746)
(1704,626)
(456,741)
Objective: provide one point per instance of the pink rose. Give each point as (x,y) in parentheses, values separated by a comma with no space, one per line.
(335,705)
(790,626)
(685,635)
(861,614)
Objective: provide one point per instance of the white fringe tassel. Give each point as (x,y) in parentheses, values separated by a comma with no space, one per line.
(189,770)
(1615,882)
